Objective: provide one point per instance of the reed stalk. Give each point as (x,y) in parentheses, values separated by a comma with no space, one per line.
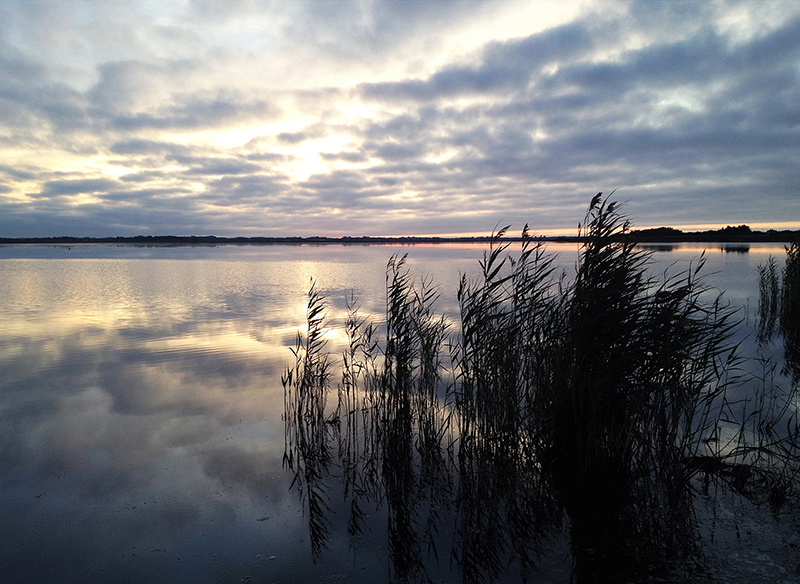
(606,396)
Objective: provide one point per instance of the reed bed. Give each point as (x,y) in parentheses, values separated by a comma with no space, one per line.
(779,307)
(790,311)
(601,400)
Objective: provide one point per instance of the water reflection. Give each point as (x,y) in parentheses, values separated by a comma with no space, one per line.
(736,248)
(474,507)
(141,437)
(136,430)
(779,308)
(482,492)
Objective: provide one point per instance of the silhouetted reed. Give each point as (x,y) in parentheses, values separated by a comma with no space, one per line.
(768,300)
(790,311)
(609,384)
(307,451)
(779,308)
(605,398)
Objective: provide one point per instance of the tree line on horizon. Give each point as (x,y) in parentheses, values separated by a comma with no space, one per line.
(728,234)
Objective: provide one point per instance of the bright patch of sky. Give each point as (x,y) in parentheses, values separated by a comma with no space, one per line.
(394,117)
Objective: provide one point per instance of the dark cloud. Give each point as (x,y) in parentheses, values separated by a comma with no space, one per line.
(122,84)
(21,70)
(312,132)
(201,114)
(344,156)
(143,196)
(396,151)
(594,120)
(123,95)
(506,66)
(780,46)
(55,188)
(267,157)
(213,165)
(292,137)
(29,99)
(562,43)
(145,176)
(198,112)
(141,146)
(259,191)
(217,167)
(17,173)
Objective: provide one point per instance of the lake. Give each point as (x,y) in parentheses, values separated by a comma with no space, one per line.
(141,411)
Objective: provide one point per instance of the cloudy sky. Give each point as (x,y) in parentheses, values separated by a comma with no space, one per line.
(392,118)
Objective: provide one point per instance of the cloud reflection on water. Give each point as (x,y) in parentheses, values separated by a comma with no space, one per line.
(140,405)
(140,408)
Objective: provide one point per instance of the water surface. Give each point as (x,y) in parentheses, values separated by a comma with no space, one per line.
(141,431)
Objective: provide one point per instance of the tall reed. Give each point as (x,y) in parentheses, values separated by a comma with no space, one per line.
(308,451)
(790,311)
(768,300)
(605,396)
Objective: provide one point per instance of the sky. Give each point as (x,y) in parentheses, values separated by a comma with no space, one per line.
(245,118)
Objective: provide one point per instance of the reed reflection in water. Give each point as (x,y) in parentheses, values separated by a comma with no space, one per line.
(604,406)
(779,308)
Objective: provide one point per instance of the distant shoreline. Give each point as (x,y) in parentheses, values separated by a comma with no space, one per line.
(740,234)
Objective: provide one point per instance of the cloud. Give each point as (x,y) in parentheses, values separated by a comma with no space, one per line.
(506,66)
(139,146)
(217,166)
(57,188)
(17,173)
(195,112)
(343,156)
(268,157)
(422,110)
(244,188)
(29,100)
(19,70)
(391,151)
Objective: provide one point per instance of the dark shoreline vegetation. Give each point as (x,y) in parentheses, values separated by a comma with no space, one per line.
(740,234)
(603,406)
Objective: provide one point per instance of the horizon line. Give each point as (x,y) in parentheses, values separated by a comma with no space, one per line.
(573,232)
(555,232)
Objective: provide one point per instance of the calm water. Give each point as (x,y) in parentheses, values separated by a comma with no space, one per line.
(141,432)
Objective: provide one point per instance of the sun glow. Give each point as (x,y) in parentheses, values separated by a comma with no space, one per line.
(307,155)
